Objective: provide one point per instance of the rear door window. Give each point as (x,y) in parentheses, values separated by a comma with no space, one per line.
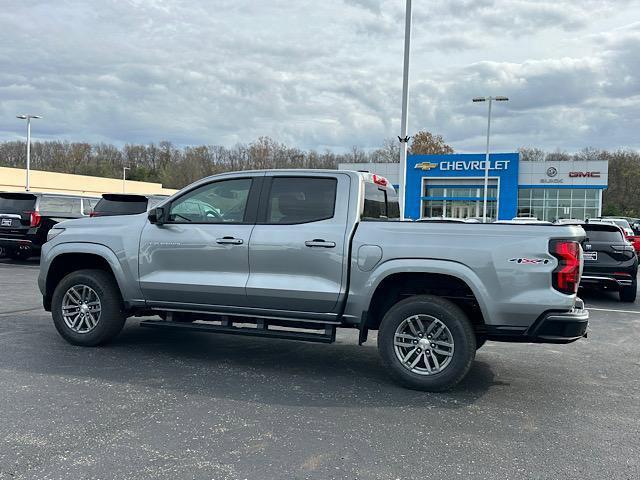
(301,200)
(17,203)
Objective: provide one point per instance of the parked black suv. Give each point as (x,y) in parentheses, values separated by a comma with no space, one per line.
(610,262)
(125,204)
(27,217)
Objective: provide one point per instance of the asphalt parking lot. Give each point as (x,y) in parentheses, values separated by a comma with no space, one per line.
(180,405)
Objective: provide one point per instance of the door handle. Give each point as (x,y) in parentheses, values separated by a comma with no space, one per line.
(229,241)
(318,242)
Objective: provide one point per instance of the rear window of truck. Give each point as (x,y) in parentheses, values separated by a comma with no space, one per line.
(380,203)
(17,203)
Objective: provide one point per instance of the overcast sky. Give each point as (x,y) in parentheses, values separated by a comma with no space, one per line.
(321,74)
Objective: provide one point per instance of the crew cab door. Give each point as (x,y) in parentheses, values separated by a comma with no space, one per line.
(200,254)
(298,248)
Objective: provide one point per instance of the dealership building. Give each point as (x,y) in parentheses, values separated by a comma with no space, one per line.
(452,186)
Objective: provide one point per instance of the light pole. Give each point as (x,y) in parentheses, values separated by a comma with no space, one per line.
(486,157)
(28,119)
(404,139)
(124,177)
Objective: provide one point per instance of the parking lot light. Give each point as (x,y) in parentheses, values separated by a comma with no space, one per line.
(124,177)
(486,157)
(28,119)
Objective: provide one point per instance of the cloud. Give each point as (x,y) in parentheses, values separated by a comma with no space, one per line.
(321,74)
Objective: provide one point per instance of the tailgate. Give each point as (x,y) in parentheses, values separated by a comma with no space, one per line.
(14,212)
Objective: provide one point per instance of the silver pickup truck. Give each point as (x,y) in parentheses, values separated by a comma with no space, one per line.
(296,254)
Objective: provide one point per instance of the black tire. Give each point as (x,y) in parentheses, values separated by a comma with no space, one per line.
(628,294)
(453,318)
(111,319)
(19,254)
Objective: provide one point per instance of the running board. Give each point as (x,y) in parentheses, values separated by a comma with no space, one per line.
(261,330)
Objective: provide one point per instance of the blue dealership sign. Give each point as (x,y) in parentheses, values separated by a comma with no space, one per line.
(503,169)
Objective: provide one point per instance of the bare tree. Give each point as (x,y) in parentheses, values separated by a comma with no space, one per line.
(426,143)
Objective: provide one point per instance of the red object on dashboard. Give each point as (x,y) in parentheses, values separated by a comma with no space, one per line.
(378,180)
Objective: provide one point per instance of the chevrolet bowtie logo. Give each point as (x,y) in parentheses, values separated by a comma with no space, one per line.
(426,165)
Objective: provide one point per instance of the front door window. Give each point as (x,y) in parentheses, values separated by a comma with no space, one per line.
(219,202)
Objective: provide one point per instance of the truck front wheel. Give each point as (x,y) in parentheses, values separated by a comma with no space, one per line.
(427,343)
(87,308)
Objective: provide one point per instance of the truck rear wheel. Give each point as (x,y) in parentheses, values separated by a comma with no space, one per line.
(87,308)
(427,343)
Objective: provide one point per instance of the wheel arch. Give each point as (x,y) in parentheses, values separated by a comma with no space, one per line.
(69,258)
(446,279)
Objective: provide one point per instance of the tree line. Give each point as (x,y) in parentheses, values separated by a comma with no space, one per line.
(176,167)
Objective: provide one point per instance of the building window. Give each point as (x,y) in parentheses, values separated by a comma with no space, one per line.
(551,204)
(458,201)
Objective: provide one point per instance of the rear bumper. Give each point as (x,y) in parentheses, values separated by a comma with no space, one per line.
(550,327)
(18,243)
(605,280)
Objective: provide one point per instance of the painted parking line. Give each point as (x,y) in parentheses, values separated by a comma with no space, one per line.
(24,310)
(613,310)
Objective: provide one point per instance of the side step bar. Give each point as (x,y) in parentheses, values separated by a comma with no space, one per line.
(261,330)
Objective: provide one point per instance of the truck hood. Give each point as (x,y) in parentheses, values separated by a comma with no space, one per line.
(105,222)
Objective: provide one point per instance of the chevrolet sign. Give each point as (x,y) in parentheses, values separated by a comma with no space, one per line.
(426,165)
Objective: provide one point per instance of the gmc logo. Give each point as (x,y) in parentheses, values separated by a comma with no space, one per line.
(584,174)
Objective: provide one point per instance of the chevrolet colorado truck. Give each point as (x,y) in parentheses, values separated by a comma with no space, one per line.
(296,254)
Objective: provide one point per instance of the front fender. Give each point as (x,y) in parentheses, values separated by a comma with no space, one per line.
(125,278)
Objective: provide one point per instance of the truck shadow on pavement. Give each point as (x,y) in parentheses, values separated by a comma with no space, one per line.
(267,371)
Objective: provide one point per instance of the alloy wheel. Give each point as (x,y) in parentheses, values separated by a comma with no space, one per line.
(81,308)
(423,344)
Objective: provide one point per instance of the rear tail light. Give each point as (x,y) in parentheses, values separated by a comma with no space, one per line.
(34,218)
(566,276)
(93,213)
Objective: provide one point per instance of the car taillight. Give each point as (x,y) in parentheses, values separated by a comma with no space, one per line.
(94,214)
(34,218)
(566,276)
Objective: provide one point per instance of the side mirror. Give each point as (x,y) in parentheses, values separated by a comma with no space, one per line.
(156,215)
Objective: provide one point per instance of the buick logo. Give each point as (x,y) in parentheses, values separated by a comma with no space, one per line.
(552,171)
